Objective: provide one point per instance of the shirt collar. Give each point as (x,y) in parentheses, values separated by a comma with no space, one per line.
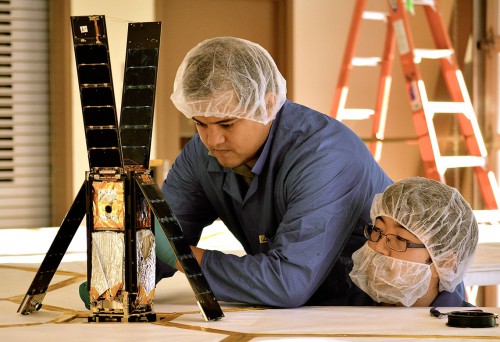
(259,164)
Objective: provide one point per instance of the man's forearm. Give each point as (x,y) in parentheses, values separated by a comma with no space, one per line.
(198,254)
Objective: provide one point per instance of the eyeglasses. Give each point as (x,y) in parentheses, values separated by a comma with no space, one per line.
(394,242)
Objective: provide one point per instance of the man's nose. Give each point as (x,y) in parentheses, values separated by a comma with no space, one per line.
(215,136)
(381,246)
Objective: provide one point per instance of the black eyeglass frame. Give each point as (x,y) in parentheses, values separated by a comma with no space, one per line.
(408,244)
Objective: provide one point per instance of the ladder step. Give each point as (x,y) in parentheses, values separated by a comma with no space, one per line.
(355,114)
(449,107)
(449,162)
(366,61)
(431,54)
(487,216)
(424,2)
(377,16)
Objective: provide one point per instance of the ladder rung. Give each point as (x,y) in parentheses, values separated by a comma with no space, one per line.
(366,61)
(431,54)
(424,2)
(378,16)
(487,216)
(449,162)
(356,114)
(449,107)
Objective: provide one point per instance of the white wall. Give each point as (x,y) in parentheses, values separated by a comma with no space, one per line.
(118,14)
(320,30)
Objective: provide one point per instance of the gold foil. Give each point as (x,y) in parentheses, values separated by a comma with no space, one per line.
(143,213)
(146,264)
(108,258)
(108,207)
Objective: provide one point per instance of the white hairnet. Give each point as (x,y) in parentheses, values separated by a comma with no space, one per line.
(440,217)
(229,76)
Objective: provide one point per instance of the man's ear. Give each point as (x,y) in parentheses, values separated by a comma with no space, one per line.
(434,272)
(270,101)
(450,262)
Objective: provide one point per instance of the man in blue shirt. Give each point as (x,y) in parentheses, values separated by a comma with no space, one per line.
(293,185)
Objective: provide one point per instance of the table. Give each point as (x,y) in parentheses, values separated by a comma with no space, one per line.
(63,316)
(485,267)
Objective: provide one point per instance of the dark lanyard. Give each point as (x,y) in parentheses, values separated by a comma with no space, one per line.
(467,318)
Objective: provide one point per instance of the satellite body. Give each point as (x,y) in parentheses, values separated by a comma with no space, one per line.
(119,196)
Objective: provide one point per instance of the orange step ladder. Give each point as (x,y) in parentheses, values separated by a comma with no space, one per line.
(424,111)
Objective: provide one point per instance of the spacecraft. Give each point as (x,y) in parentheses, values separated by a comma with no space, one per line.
(119,196)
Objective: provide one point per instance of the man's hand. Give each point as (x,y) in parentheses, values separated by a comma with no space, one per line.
(164,250)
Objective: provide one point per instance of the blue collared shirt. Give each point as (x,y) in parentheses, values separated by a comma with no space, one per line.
(300,219)
(452,299)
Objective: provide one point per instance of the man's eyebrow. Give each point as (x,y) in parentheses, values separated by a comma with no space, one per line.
(398,225)
(221,121)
